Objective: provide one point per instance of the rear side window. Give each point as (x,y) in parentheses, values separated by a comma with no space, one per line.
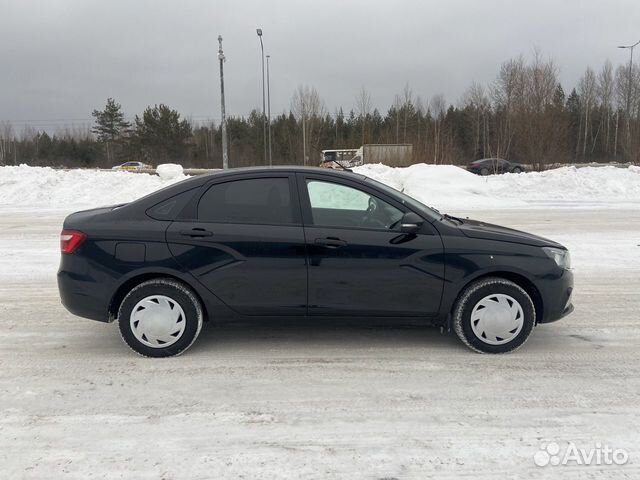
(256,200)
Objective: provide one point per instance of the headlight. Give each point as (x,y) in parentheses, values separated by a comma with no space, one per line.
(559,255)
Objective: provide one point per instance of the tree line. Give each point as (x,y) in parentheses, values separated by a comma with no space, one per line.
(524,115)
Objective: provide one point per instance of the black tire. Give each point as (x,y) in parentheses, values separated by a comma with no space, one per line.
(516,170)
(484,172)
(179,294)
(483,289)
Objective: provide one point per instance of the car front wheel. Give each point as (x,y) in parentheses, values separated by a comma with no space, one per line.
(494,315)
(160,318)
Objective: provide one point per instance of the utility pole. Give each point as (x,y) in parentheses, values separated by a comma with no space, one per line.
(264,113)
(269,111)
(304,136)
(223,124)
(629,83)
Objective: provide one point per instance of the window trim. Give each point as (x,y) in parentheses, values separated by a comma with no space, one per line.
(190,213)
(305,201)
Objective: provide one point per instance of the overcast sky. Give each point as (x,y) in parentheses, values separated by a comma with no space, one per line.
(62,58)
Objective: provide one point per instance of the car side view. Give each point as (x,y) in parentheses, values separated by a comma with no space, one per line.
(304,242)
(132,167)
(492,166)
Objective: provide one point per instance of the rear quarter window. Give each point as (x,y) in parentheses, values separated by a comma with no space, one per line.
(170,208)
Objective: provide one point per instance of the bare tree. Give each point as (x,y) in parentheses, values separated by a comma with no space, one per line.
(397,106)
(7,142)
(309,109)
(627,96)
(420,112)
(363,107)
(605,97)
(407,108)
(476,100)
(507,94)
(437,107)
(587,90)
(533,119)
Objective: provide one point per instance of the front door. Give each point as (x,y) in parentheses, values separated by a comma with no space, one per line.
(246,245)
(359,260)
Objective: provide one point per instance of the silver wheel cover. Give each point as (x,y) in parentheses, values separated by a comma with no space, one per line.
(497,319)
(157,321)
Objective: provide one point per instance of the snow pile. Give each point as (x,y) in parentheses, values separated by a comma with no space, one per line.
(43,187)
(446,186)
(442,186)
(169,171)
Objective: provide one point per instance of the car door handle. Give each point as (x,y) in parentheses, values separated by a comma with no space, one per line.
(196,232)
(330,242)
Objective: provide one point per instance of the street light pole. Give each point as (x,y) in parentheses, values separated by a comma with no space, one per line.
(264,113)
(269,111)
(304,136)
(629,83)
(225,152)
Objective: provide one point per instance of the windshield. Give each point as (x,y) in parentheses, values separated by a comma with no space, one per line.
(407,200)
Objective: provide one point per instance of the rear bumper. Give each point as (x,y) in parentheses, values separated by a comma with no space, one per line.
(557,297)
(82,295)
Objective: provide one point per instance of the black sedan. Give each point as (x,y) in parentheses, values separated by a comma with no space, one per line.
(491,166)
(304,242)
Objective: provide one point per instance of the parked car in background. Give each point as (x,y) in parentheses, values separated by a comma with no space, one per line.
(132,167)
(491,166)
(307,242)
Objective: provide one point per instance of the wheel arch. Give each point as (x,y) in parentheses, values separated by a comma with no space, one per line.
(126,286)
(520,280)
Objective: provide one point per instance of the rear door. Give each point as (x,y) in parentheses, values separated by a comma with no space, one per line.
(243,240)
(359,261)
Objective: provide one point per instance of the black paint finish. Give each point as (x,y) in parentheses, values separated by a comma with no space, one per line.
(300,268)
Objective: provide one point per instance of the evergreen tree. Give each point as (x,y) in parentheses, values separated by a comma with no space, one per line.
(161,136)
(574,120)
(559,97)
(110,127)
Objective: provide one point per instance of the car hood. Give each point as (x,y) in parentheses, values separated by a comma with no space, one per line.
(488,231)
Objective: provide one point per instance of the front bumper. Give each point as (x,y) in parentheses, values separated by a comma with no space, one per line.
(557,297)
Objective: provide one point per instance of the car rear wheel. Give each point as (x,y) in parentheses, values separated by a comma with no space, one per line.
(160,318)
(484,172)
(516,170)
(494,315)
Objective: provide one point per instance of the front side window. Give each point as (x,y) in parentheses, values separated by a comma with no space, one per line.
(254,201)
(337,205)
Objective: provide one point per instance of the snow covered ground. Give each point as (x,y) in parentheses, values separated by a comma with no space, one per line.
(331,400)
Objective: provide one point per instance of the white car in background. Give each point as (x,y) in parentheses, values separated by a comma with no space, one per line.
(132,167)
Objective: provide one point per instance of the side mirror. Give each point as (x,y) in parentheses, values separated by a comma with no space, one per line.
(411,223)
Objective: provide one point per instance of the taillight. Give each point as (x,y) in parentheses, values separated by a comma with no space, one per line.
(71,240)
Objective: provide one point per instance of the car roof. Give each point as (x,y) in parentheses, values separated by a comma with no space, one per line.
(198,180)
(286,169)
